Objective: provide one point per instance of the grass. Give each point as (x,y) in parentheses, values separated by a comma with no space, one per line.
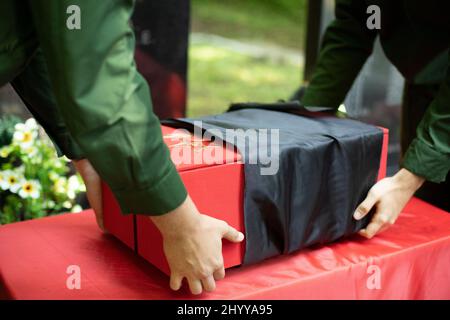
(280,22)
(218,76)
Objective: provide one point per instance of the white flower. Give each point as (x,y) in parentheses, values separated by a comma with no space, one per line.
(30,189)
(60,185)
(53,175)
(58,163)
(12,181)
(67,204)
(76,208)
(31,124)
(4,152)
(4,185)
(31,151)
(49,204)
(20,169)
(74,186)
(25,133)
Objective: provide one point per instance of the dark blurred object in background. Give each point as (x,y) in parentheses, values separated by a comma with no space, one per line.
(162,29)
(10,103)
(376,94)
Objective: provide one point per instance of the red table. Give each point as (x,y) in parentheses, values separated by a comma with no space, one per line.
(409,261)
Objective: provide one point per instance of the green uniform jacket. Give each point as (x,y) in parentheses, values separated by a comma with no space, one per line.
(83,87)
(415,35)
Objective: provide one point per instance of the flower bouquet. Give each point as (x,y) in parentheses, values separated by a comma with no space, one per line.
(34,182)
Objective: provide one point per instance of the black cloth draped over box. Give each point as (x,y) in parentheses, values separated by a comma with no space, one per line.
(327,165)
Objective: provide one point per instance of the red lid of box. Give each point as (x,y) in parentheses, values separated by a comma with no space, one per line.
(190,152)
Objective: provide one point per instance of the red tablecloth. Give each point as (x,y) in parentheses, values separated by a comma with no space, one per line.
(411,261)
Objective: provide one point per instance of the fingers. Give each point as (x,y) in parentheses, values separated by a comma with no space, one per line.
(201,261)
(195,285)
(365,206)
(175,282)
(219,274)
(209,284)
(93,188)
(370,231)
(379,223)
(232,234)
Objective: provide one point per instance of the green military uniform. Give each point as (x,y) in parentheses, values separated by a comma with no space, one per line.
(83,87)
(415,36)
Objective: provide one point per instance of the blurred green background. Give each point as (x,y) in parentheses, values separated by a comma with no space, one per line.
(240,51)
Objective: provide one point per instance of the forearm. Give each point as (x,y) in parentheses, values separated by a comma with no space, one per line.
(429,154)
(346,45)
(179,221)
(106,103)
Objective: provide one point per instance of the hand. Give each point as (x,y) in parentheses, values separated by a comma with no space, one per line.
(389,196)
(93,188)
(193,246)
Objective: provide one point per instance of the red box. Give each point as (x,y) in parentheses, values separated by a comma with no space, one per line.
(216,189)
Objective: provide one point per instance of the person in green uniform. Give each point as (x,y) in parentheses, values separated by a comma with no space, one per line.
(415,36)
(79,80)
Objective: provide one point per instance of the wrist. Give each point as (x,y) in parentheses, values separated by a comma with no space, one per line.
(409,180)
(179,221)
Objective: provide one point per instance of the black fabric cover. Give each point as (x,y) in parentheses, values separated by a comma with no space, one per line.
(327,165)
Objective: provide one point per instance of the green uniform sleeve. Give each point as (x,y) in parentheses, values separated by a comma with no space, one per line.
(346,45)
(106,103)
(34,88)
(429,153)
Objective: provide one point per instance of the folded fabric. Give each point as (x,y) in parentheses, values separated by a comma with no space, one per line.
(324,167)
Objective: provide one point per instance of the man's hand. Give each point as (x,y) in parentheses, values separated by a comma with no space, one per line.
(389,196)
(93,188)
(193,246)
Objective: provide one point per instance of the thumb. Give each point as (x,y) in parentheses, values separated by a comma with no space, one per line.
(232,234)
(365,206)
